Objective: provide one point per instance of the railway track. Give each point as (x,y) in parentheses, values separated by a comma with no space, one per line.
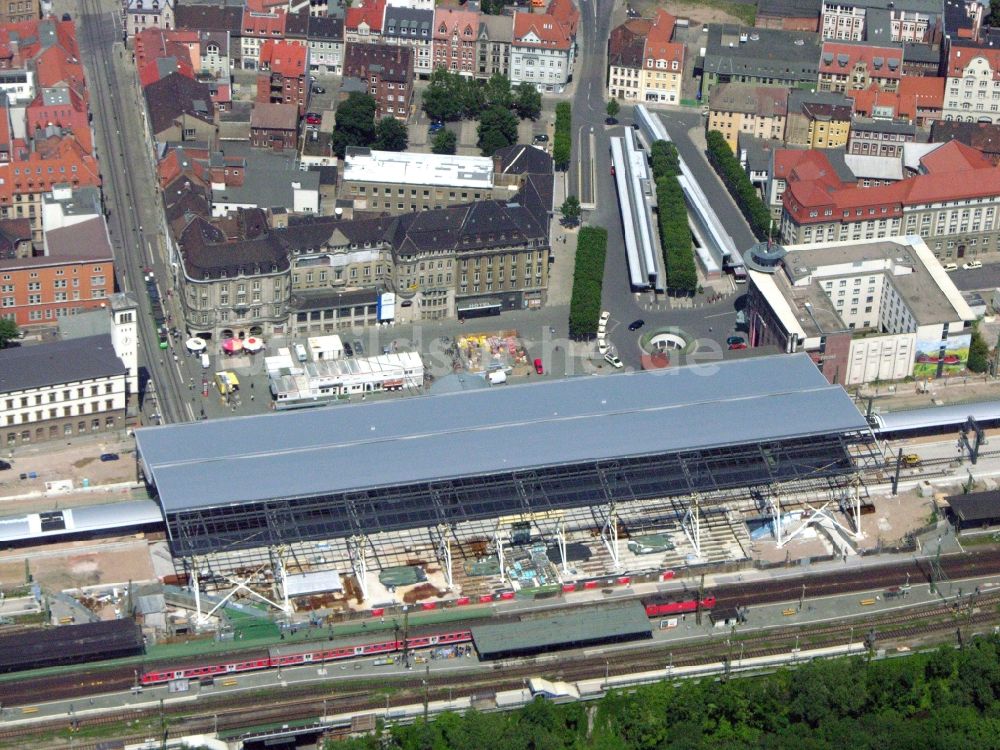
(216,713)
(748,594)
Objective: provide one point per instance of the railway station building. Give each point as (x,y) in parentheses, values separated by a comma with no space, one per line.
(467,481)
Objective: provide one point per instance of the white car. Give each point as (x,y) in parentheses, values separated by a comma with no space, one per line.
(972,264)
(612,359)
(605,317)
(602,347)
(949,267)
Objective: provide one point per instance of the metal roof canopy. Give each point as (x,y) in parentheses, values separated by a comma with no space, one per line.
(953,415)
(481,433)
(579,627)
(976,506)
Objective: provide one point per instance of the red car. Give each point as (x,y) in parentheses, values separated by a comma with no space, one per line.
(612,170)
(313,119)
(538,367)
(738,345)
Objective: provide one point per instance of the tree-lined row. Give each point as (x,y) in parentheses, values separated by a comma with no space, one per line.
(563,141)
(588,281)
(451,96)
(675,234)
(737,182)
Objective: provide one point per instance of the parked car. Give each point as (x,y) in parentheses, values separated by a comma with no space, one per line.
(436,126)
(109,456)
(605,316)
(319,90)
(538,367)
(972,264)
(612,359)
(738,345)
(735,340)
(950,266)
(635,325)
(541,138)
(602,346)
(348,351)
(4,465)
(612,170)
(359,349)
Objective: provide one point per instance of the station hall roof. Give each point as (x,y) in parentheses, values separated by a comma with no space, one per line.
(479,433)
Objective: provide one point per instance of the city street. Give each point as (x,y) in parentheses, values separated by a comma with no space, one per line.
(131,198)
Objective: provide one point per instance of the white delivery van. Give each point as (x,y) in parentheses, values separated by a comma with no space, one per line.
(300,353)
(206,362)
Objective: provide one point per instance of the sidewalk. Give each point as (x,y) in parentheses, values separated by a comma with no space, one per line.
(922,394)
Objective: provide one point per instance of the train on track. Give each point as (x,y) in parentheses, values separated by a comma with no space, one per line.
(658,605)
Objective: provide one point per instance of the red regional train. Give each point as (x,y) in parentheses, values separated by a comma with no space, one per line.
(307,653)
(291,655)
(676,603)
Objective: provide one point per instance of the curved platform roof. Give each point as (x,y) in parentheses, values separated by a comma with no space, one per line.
(937,416)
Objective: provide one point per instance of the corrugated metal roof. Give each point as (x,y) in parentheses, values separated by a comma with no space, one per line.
(627,622)
(246,459)
(129,514)
(936,416)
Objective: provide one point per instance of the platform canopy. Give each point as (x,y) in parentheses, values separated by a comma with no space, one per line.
(340,471)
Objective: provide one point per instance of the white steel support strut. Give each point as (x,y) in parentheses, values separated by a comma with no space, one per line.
(281,574)
(692,524)
(609,535)
(197,591)
(240,584)
(498,543)
(561,541)
(356,547)
(444,554)
(775,502)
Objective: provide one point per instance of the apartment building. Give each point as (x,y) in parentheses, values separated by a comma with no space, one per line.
(148,14)
(411,27)
(282,74)
(880,137)
(849,67)
(61,389)
(972,91)
(818,119)
(735,108)
(456,33)
(951,204)
(626,53)
(882,20)
(496,34)
(542,51)
(363,23)
(662,61)
(387,71)
(19,11)
(326,44)
(274,126)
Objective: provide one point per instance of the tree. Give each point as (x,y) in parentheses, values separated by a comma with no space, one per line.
(444,142)
(8,331)
(588,281)
(443,99)
(391,135)
(993,19)
(979,353)
(527,101)
(613,108)
(355,123)
(497,129)
(570,210)
(497,91)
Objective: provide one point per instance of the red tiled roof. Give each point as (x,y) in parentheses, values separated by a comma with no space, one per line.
(370,12)
(959,58)
(658,44)
(833,53)
(452,20)
(954,156)
(270,25)
(550,32)
(949,178)
(566,12)
(916,94)
(286,58)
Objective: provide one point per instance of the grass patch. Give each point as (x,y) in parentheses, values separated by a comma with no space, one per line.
(978,540)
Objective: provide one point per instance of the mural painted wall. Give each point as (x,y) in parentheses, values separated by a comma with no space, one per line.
(928,356)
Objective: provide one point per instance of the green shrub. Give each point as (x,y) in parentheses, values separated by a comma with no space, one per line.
(737,182)
(563,142)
